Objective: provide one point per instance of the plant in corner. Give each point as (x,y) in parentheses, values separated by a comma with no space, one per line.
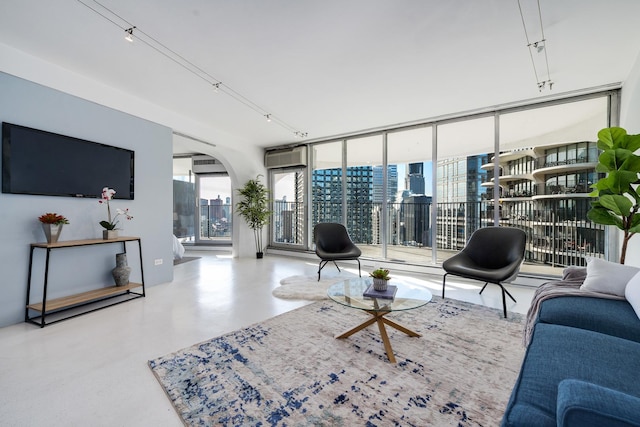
(617,198)
(254,209)
(111,224)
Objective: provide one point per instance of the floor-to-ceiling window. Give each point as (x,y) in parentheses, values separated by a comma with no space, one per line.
(463,147)
(326,183)
(366,193)
(528,166)
(288,195)
(202,212)
(564,153)
(184,199)
(409,228)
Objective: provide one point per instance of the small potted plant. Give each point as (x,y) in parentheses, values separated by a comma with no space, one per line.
(380,279)
(52,225)
(110,231)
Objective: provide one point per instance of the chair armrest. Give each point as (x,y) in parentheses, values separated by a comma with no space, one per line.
(584,404)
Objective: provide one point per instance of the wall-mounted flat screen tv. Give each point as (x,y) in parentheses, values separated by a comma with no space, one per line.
(44,163)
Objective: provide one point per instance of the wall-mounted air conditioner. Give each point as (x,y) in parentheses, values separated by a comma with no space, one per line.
(296,156)
(206,164)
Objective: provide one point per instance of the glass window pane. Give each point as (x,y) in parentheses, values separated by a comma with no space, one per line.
(288,207)
(326,183)
(409,230)
(561,139)
(464,187)
(366,193)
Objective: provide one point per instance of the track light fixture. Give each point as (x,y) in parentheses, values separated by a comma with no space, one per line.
(181,61)
(129,36)
(540,47)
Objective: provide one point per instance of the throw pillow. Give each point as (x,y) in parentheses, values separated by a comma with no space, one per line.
(607,277)
(632,293)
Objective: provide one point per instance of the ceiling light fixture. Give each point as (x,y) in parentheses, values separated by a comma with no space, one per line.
(540,46)
(129,36)
(268,116)
(181,61)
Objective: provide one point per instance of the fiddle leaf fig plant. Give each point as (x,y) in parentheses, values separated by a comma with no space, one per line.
(254,208)
(617,197)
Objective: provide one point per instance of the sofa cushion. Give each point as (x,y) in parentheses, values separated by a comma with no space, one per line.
(608,316)
(632,293)
(559,352)
(588,405)
(607,277)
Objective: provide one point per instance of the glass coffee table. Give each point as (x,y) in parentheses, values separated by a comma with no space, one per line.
(350,293)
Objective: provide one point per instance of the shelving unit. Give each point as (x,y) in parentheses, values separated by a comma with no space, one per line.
(58,305)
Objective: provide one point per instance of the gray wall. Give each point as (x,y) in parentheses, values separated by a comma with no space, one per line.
(77,269)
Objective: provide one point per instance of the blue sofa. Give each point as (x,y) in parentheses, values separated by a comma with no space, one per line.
(581,368)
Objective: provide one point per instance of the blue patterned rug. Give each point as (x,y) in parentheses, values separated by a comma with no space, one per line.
(291,371)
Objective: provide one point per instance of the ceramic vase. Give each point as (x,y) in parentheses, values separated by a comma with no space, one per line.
(121,271)
(52,232)
(109,234)
(380,284)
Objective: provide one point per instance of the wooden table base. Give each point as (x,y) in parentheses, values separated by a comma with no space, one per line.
(378,317)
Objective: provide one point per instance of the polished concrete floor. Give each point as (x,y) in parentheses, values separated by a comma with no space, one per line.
(92,370)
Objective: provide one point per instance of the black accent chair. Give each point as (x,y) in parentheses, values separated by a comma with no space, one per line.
(334,244)
(492,255)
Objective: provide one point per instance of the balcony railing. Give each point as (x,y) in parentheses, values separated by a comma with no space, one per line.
(215,222)
(557,235)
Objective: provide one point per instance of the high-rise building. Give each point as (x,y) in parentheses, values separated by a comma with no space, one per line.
(364,198)
(392,183)
(415,178)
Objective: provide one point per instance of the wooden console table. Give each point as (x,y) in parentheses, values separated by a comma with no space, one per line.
(58,305)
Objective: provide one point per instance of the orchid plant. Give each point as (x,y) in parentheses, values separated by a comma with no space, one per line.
(107,195)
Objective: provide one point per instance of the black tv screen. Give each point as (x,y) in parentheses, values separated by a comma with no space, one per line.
(45,163)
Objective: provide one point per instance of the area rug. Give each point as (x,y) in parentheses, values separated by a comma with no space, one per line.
(290,370)
(308,287)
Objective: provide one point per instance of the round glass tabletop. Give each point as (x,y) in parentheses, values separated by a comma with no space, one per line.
(350,293)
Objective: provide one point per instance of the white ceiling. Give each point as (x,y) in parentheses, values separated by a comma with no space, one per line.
(326,67)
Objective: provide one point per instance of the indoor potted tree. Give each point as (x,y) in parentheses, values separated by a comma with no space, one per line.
(254,209)
(617,197)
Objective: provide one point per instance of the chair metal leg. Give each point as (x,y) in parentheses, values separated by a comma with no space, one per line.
(444,278)
(504,301)
(485,285)
(320,267)
(336,265)
(510,296)
(359,271)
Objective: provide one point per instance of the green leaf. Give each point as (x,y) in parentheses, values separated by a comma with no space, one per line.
(619,205)
(620,181)
(631,163)
(611,137)
(107,225)
(631,143)
(604,217)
